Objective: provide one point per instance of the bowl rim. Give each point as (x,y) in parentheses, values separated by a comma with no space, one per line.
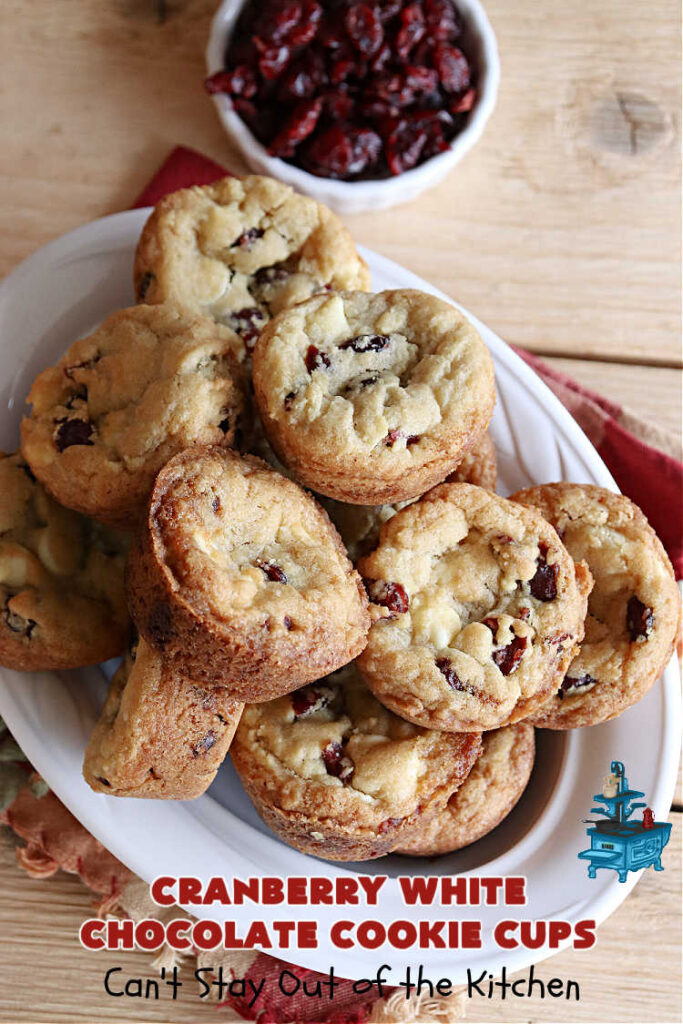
(407,183)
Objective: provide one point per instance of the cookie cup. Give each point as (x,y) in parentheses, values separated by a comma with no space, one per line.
(350,784)
(214,619)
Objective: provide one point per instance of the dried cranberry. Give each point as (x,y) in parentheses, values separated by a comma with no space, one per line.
(205,743)
(73,432)
(463,103)
(338,763)
(247,237)
(364,27)
(572,684)
(271,275)
(524,613)
(543,585)
(297,83)
(412,29)
(289,400)
(272,571)
(300,125)
(388,9)
(240,81)
(392,437)
(508,658)
(315,359)
(280,19)
(272,59)
(339,104)
(381,58)
(404,147)
(391,595)
(343,152)
(288,624)
(305,30)
(367,343)
(640,620)
(309,700)
(445,667)
(442,20)
(452,67)
(248,323)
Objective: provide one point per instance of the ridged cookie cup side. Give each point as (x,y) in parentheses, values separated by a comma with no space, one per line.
(159,735)
(486,797)
(633,616)
(478,608)
(351,798)
(62,599)
(372,398)
(244,625)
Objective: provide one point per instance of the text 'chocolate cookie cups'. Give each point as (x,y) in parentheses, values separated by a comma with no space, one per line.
(337,775)
(62,599)
(241,250)
(633,609)
(160,735)
(485,798)
(145,385)
(240,576)
(373,399)
(478,610)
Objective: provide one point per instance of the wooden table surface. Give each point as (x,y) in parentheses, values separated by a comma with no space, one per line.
(560,230)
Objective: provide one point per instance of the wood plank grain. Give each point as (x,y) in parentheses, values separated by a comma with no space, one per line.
(652,393)
(560,229)
(633,974)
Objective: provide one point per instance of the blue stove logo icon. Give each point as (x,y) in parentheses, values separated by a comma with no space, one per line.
(616,842)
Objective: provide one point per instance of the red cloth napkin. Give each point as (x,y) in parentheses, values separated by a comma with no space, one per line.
(650,477)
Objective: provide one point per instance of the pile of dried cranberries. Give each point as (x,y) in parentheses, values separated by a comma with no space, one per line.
(349,90)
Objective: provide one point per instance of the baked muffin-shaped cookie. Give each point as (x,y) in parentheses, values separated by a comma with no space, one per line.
(62,599)
(240,576)
(372,399)
(146,384)
(160,734)
(359,525)
(487,795)
(479,466)
(337,775)
(482,610)
(633,609)
(241,250)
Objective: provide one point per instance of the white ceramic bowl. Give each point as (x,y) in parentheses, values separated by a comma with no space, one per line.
(355,196)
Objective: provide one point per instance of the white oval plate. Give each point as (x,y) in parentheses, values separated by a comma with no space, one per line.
(59,294)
